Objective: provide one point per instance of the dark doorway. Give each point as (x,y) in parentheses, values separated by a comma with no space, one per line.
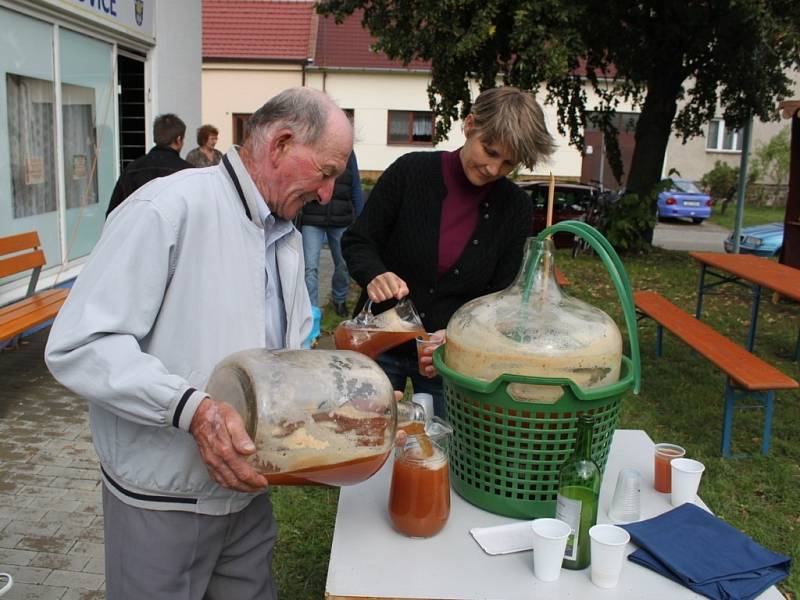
(595,168)
(239,125)
(790,253)
(131,99)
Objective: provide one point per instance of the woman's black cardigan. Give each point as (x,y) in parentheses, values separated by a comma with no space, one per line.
(398,231)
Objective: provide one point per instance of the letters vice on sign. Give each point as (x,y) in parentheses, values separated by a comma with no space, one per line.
(109,8)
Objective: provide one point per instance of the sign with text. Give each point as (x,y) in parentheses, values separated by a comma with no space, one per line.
(34,170)
(135,16)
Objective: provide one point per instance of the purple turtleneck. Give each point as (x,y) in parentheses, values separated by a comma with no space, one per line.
(459,210)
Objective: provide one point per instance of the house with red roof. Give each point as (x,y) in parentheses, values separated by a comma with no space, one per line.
(388,100)
(253,49)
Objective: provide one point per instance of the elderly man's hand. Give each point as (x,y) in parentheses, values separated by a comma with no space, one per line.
(223,442)
(385,286)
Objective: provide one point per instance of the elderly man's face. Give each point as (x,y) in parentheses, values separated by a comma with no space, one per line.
(305,173)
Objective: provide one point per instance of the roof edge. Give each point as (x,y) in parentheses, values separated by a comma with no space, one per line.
(255,59)
(315,68)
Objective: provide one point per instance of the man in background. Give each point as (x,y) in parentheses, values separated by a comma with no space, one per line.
(329,222)
(162,160)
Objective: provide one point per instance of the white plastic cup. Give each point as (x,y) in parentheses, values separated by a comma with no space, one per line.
(7,585)
(686,474)
(549,542)
(426,402)
(608,544)
(626,505)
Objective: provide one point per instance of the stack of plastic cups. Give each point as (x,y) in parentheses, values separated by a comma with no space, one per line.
(626,503)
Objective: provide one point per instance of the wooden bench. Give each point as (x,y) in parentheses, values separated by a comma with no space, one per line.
(747,375)
(35,308)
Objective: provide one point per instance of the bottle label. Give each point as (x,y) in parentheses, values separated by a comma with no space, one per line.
(569,511)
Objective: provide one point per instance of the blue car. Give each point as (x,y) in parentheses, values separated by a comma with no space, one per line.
(682,198)
(762,240)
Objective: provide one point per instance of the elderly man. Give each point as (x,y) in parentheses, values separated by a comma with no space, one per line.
(189,269)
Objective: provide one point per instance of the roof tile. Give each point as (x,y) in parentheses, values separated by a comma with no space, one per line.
(348,44)
(257,29)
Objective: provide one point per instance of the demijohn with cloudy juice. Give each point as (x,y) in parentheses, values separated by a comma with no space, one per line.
(578,496)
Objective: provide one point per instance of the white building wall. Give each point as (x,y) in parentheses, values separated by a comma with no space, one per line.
(372,94)
(243,87)
(692,160)
(176,64)
(230,88)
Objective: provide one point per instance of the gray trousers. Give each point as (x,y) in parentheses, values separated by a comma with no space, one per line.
(174,555)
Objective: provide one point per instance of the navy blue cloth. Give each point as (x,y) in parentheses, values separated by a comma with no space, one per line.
(702,552)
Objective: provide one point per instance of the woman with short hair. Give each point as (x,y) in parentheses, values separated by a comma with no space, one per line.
(205,155)
(445,227)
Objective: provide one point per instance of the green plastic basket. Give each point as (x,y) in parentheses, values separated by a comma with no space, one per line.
(505,454)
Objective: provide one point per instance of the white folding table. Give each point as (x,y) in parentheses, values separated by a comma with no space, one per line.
(369,560)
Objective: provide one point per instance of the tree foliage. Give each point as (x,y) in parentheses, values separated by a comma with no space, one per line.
(773,158)
(721,183)
(696,54)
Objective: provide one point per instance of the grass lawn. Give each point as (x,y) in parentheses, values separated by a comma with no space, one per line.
(753,215)
(681,402)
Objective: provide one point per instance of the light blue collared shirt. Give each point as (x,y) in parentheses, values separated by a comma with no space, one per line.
(274,229)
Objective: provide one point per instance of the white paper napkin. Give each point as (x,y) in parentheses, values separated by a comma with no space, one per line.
(504,539)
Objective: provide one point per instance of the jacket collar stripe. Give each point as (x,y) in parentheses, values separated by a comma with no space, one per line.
(238,185)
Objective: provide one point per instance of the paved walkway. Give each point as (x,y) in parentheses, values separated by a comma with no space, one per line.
(51,524)
(676,234)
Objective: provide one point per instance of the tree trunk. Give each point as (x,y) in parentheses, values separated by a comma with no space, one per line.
(652,135)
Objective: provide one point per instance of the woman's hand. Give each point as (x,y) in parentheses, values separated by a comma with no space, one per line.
(386,286)
(426,354)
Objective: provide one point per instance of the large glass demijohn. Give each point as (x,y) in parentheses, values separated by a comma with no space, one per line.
(533,328)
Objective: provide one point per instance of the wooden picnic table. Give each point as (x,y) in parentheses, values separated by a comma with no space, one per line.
(750,271)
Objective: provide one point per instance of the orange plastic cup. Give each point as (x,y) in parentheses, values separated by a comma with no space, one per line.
(664,453)
(428,340)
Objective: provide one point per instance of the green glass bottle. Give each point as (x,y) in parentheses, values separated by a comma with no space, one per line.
(578,496)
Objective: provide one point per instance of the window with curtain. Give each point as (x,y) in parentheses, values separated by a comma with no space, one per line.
(80,142)
(722,137)
(89,152)
(31,143)
(410,127)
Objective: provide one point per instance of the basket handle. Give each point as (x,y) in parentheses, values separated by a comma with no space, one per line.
(618,275)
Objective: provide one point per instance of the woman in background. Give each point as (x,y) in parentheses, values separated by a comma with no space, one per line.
(205,155)
(446,227)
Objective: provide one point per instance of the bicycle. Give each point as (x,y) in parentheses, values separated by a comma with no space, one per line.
(595,212)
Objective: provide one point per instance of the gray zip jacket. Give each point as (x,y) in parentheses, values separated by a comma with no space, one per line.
(175,283)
